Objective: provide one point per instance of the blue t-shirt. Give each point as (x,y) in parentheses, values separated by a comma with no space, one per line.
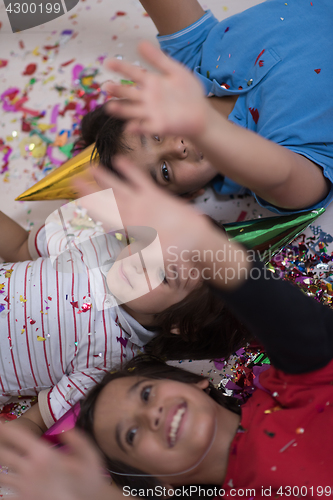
(278,57)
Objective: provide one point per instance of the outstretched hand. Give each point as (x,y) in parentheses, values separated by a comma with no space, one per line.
(137,201)
(182,231)
(38,471)
(168,102)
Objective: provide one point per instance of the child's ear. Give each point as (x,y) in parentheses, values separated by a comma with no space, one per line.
(194,194)
(202,384)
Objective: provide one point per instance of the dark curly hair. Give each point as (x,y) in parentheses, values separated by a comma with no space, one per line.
(106,131)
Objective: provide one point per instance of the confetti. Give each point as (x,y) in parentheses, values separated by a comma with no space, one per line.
(40,339)
(255,114)
(30,69)
(317,71)
(258,57)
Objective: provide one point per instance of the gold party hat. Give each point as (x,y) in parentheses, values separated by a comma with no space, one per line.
(58,184)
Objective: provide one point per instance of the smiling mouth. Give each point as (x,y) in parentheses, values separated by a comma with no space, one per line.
(123,275)
(175,424)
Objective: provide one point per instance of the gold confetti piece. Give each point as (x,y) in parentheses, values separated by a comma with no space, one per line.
(8,273)
(22,299)
(22,331)
(40,339)
(2,285)
(273,410)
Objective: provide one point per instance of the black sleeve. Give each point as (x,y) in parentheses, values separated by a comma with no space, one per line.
(295,330)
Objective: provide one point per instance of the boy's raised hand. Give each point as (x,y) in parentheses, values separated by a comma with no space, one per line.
(137,201)
(168,102)
(179,226)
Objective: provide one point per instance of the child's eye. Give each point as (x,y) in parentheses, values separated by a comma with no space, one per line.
(165,172)
(157,138)
(145,393)
(130,436)
(163,277)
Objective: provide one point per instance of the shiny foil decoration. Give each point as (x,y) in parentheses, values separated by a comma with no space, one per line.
(269,235)
(58,184)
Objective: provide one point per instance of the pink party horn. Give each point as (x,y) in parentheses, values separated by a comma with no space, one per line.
(65,423)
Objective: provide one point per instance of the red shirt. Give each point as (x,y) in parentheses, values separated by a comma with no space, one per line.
(287,444)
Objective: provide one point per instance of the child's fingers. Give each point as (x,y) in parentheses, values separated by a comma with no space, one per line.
(157,58)
(132,174)
(128,92)
(83,188)
(10,481)
(81,446)
(20,439)
(11,459)
(132,72)
(126,110)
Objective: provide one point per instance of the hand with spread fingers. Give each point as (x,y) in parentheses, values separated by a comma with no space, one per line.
(38,471)
(168,102)
(140,202)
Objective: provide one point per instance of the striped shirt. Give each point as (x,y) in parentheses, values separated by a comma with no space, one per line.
(60,329)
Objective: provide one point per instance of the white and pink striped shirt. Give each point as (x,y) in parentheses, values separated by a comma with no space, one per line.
(60,331)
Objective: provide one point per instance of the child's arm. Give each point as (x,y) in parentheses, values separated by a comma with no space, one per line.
(31,420)
(173,103)
(14,240)
(170,16)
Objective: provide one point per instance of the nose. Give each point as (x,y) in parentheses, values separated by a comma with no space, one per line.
(177,146)
(153,416)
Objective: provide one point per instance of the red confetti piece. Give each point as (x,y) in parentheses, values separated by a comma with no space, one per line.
(51,47)
(32,322)
(241,216)
(261,53)
(67,63)
(3,63)
(240,88)
(30,69)
(50,298)
(255,114)
(317,71)
(85,307)
(75,304)
(21,44)
(261,63)
(225,86)
(26,126)
(69,106)
(114,37)
(121,13)
(227,29)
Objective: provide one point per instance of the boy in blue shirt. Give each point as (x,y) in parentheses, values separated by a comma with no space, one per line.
(276,84)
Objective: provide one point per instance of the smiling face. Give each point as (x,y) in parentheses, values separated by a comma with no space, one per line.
(153,425)
(144,286)
(173,162)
